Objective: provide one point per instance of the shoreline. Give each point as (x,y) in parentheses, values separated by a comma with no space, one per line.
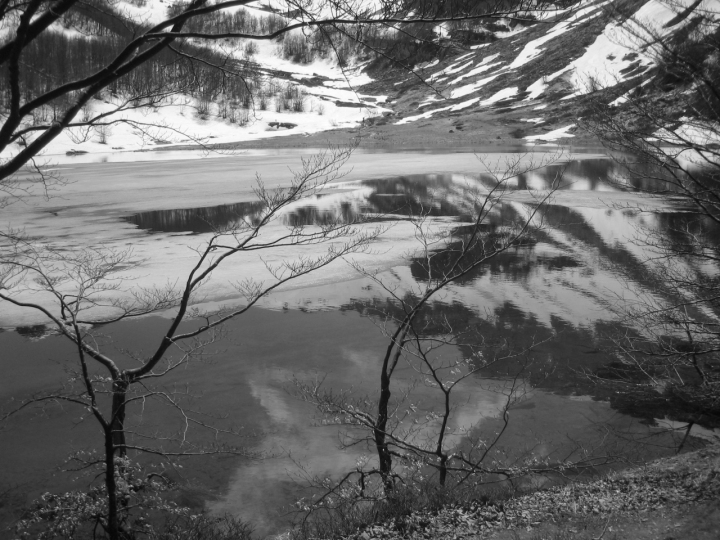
(431,137)
(393,138)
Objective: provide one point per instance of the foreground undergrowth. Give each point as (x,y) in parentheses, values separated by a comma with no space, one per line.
(681,493)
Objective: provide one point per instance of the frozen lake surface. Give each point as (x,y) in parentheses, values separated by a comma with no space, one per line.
(108,205)
(327,325)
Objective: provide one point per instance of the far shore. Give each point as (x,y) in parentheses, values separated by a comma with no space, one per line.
(432,136)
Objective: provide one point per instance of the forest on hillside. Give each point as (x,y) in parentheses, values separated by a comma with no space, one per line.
(224,73)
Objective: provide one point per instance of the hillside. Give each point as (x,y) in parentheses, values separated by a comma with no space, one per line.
(531,84)
(501,82)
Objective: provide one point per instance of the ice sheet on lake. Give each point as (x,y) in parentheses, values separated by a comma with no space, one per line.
(90,214)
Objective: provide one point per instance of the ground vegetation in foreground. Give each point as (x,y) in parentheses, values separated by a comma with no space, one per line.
(671,498)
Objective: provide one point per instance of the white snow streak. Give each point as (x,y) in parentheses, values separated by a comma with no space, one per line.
(552,135)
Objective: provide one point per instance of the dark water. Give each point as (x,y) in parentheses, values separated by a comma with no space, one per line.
(555,292)
(197,220)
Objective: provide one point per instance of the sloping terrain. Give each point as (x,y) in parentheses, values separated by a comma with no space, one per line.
(672,498)
(530,83)
(262,89)
(538,80)
(505,82)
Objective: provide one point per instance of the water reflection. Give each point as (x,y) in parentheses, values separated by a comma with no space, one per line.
(431,194)
(343,212)
(437,195)
(552,364)
(556,287)
(554,290)
(197,220)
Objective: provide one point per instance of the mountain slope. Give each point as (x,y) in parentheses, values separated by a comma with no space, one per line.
(535,82)
(531,83)
(499,82)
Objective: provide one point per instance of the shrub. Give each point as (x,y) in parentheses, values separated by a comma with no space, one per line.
(349,511)
(103,132)
(250,49)
(297,49)
(144,513)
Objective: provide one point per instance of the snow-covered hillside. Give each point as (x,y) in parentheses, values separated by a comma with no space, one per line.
(332,105)
(538,68)
(325,97)
(586,48)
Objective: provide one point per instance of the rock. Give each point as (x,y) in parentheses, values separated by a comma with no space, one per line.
(350,104)
(282,125)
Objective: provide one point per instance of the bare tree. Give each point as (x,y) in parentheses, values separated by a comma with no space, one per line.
(665,133)
(445,261)
(411,424)
(416,334)
(83,290)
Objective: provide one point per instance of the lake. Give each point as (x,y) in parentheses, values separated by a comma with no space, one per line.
(558,291)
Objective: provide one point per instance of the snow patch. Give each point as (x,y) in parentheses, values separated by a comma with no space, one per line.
(692,136)
(537,88)
(552,135)
(153,12)
(430,100)
(472,87)
(464,104)
(505,93)
(453,68)
(482,67)
(615,55)
(532,49)
(428,114)
(514,32)
(464,56)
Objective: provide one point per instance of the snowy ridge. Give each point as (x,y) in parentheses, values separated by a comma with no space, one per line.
(486,78)
(493,75)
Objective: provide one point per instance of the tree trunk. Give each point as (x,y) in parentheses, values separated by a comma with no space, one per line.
(117,424)
(443,470)
(115,444)
(379,433)
(113,526)
(380,430)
